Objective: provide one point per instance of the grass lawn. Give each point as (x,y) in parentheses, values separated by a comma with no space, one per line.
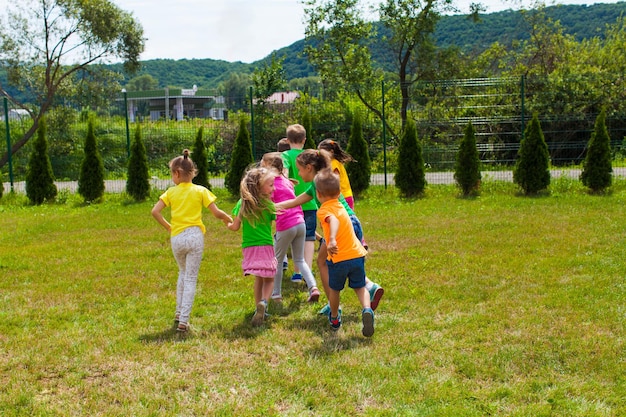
(500,305)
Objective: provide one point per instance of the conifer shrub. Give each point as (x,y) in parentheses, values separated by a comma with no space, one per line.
(138,182)
(410,177)
(91,177)
(40,185)
(308,126)
(1,185)
(467,168)
(597,173)
(360,170)
(532,168)
(241,158)
(201,159)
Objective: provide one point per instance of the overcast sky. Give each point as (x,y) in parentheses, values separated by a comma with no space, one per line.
(240,30)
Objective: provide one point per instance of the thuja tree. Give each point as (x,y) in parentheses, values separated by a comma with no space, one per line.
(138,183)
(597,170)
(40,185)
(410,177)
(532,168)
(308,126)
(241,158)
(91,177)
(201,159)
(467,168)
(359,170)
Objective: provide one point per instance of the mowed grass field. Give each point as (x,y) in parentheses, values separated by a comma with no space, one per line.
(499,305)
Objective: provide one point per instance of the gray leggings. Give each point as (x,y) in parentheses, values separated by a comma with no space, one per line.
(294,237)
(187,247)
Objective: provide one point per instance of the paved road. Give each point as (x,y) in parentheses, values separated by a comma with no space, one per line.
(118,186)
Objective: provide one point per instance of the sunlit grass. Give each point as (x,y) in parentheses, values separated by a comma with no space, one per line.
(495,305)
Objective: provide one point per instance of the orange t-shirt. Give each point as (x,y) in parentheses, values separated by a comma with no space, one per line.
(349,247)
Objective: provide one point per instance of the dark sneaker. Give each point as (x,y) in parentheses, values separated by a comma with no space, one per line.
(367,317)
(285,266)
(335,322)
(376,293)
(296,277)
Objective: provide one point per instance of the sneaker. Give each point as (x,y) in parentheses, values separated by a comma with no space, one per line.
(367,317)
(325,311)
(296,277)
(376,293)
(335,322)
(314,295)
(278,298)
(259,314)
(285,265)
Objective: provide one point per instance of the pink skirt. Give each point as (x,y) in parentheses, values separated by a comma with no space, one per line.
(259,261)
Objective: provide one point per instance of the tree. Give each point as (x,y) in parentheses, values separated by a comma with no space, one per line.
(144,82)
(91,177)
(138,183)
(268,79)
(40,185)
(410,176)
(241,158)
(467,169)
(201,159)
(532,168)
(46,44)
(359,171)
(308,126)
(597,169)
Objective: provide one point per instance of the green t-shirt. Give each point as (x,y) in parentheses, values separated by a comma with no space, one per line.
(258,233)
(289,161)
(311,191)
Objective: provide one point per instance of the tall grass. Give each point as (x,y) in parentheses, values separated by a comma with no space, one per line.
(497,305)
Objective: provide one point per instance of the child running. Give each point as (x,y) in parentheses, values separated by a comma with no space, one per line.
(290,230)
(186,230)
(337,165)
(309,163)
(255,212)
(346,255)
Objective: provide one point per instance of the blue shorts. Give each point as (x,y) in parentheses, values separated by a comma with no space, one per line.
(353,269)
(310,221)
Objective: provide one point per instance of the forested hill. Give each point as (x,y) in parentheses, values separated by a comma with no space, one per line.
(578,20)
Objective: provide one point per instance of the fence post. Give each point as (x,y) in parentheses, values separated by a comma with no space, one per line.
(8,135)
(126,117)
(382,84)
(252,125)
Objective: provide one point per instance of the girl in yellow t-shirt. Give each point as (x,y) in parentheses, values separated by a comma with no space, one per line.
(339,158)
(186,230)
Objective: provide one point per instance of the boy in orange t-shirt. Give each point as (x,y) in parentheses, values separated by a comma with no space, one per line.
(346,255)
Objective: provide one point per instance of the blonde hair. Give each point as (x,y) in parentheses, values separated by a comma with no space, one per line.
(184,165)
(273,160)
(253,201)
(319,159)
(327,183)
(296,133)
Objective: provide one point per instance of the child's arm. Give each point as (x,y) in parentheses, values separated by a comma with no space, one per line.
(220,214)
(294,202)
(156,213)
(235,224)
(331,245)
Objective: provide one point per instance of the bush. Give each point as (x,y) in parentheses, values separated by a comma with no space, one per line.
(200,158)
(467,169)
(91,178)
(597,170)
(39,177)
(308,126)
(138,182)
(360,170)
(410,176)
(241,158)
(532,169)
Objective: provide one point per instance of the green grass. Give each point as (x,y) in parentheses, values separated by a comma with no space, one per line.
(498,305)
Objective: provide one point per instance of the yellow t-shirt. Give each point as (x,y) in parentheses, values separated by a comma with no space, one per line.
(344,181)
(186,201)
(347,243)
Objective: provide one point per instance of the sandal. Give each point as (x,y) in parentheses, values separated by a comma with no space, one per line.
(182,327)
